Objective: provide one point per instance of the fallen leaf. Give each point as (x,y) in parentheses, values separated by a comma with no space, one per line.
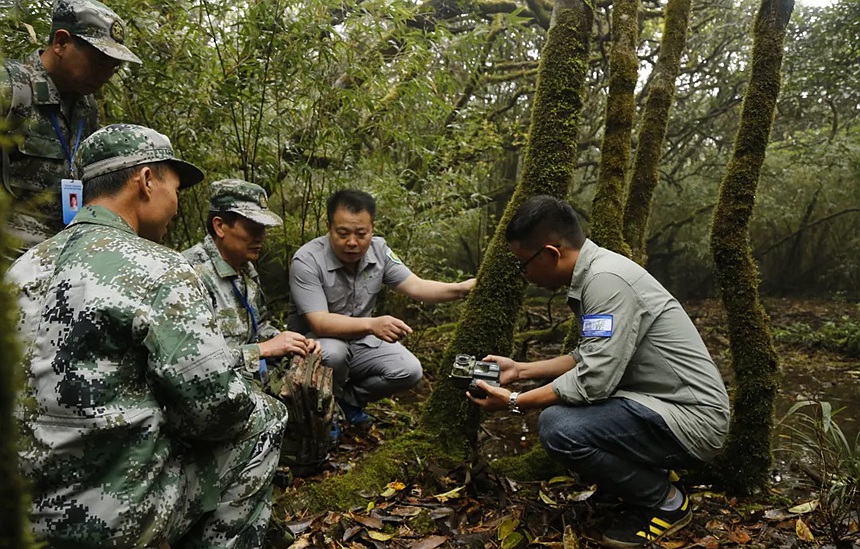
(430,542)
(546,499)
(379,536)
(370,522)
(392,488)
(570,539)
(405,511)
(507,527)
(350,532)
(708,542)
(450,494)
(512,540)
(560,479)
(776,514)
(672,544)
(739,535)
(803,531)
(715,524)
(803,508)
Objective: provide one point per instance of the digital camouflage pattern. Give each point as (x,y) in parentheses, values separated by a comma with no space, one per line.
(121,146)
(95,23)
(233,318)
(246,199)
(34,164)
(135,428)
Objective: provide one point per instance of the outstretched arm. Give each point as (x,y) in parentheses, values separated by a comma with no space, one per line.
(432,291)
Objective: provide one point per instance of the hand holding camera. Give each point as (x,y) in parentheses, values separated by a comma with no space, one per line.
(467,371)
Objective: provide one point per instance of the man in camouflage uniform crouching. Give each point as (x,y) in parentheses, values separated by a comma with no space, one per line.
(136,430)
(47,108)
(236,226)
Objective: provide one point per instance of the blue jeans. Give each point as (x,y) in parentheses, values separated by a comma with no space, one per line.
(620,445)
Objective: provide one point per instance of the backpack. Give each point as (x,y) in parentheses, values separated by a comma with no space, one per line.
(306,387)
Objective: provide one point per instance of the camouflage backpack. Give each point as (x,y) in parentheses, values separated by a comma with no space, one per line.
(306,387)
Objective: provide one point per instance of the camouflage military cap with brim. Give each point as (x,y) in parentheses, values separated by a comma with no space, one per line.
(95,23)
(246,199)
(121,146)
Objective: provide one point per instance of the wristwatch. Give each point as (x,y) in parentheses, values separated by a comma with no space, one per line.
(512,403)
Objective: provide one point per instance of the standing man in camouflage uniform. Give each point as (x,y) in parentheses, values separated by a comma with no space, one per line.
(136,429)
(47,108)
(238,218)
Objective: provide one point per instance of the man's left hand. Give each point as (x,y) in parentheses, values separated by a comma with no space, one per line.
(497,398)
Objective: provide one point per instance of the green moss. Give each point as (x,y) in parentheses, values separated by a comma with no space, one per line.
(652,132)
(533,465)
(746,462)
(422,524)
(607,207)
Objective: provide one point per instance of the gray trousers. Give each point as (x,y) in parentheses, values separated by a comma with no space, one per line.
(368,369)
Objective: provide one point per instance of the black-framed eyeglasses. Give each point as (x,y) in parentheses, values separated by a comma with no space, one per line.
(524,265)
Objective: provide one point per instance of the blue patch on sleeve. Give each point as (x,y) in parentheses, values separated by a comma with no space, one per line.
(597,325)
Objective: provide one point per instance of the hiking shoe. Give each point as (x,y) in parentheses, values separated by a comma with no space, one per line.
(639,526)
(354,414)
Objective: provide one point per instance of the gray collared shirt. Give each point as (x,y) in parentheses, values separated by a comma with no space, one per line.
(639,343)
(320,282)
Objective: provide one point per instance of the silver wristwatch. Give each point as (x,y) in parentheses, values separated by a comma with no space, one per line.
(512,403)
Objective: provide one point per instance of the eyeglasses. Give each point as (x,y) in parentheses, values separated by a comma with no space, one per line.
(524,265)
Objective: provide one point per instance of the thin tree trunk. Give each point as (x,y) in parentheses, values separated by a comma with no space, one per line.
(14,504)
(607,207)
(488,319)
(747,459)
(652,132)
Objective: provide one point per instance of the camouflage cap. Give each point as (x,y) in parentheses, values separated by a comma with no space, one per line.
(121,146)
(246,199)
(96,23)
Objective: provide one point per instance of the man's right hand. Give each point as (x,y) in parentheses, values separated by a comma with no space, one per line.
(509,370)
(389,329)
(286,343)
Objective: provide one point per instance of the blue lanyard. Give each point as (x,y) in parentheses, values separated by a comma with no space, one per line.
(264,370)
(70,154)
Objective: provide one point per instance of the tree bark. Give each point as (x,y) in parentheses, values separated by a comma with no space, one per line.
(655,121)
(14,503)
(745,464)
(607,207)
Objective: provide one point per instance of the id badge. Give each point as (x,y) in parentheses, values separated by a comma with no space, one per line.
(597,325)
(72,196)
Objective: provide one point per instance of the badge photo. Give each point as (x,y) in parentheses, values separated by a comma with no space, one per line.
(72,197)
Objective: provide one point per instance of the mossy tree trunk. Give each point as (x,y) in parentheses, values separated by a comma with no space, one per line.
(652,132)
(746,462)
(449,425)
(14,530)
(489,316)
(608,206)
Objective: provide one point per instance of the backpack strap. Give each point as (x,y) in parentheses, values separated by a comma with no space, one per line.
(16,87)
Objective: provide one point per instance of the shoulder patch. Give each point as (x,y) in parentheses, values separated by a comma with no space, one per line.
(393,256)
(597,325)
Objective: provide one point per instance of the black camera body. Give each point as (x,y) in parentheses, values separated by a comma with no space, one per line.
(467,371)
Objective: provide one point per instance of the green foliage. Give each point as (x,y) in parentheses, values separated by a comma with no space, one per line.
(833,470)
(840,336)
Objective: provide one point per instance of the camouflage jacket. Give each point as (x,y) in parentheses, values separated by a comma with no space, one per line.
(37,161)
(125,368)
(233,317)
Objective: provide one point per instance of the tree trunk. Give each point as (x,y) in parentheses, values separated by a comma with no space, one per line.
(607,207)
(652,133)
(747,459)
(14,529)
(488,319)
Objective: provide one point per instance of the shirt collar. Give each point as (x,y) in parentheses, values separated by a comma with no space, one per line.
(332,262)
(99,215)
(583,262)
(222,268)
(44,90)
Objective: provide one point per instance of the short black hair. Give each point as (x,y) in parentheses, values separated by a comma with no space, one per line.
(228,217)
(543,219)
(353,200)
(108,184)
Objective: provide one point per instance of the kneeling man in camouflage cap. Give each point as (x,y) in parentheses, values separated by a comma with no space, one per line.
(137,429)
(237,223)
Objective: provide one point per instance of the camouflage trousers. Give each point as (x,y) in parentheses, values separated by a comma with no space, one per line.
(207,496)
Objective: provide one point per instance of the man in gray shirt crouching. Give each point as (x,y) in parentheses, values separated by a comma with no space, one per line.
(640,394)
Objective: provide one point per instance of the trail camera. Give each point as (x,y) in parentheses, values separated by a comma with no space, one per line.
(467,371)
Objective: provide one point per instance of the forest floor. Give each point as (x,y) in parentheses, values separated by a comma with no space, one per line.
(474,508)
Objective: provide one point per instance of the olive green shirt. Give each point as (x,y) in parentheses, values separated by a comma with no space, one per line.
(639,343)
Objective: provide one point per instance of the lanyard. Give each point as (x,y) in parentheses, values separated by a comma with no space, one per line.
(70,153)
(264,370)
